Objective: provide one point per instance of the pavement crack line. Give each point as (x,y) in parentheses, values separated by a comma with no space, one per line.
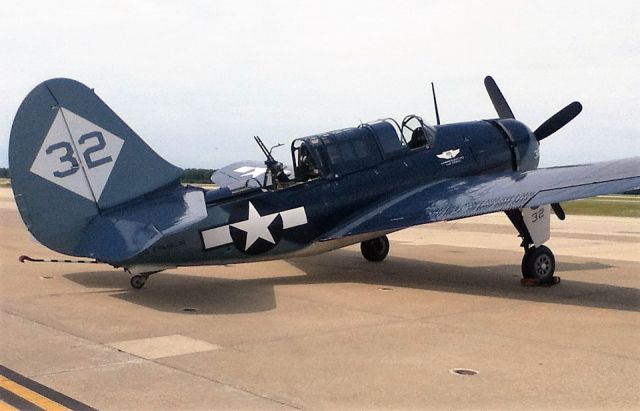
(135,360)
(47,326)
(232,386)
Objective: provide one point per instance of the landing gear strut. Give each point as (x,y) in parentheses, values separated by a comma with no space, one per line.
(375,249)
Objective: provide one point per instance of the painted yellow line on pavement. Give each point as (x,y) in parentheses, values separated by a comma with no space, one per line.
(31,396)
(6,407)
(23,393)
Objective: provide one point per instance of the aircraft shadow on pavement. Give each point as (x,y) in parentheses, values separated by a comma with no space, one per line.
(172,292)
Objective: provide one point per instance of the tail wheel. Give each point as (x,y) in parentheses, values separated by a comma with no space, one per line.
(138,281)
(375,249)
(539,263)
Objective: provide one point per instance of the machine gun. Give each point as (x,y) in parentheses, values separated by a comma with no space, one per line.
(275,168)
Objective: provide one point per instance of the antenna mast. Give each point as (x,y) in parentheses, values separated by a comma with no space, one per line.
(435,103)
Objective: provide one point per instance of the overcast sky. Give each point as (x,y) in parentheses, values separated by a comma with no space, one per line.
(197,79)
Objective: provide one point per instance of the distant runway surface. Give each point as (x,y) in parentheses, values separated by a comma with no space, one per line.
(334,331)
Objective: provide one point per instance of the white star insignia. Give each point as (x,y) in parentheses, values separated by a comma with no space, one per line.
(256,226)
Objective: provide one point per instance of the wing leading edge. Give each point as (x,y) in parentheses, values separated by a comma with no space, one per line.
(456,198)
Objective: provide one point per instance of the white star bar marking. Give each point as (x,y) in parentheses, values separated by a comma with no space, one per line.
(251,171)
(218,236)
(256,226)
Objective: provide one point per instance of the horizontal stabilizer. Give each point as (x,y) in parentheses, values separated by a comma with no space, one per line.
(122,233)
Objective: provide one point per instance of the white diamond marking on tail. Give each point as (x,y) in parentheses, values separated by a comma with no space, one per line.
(77,155)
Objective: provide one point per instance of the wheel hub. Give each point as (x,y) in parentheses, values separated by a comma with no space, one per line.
(543,265)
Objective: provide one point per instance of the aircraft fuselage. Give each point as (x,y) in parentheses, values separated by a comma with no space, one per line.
(270,223)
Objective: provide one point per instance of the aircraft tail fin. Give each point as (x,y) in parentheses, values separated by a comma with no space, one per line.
(72,158)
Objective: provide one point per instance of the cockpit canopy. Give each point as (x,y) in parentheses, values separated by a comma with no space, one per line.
(348,150)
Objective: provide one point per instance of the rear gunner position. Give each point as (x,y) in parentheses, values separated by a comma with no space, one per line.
(86,185)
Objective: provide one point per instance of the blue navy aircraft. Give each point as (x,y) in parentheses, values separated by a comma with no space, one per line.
(86,185)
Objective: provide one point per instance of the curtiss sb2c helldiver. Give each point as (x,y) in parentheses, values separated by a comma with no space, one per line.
(86,185)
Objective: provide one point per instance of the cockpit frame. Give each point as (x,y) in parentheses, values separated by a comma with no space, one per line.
(349,150)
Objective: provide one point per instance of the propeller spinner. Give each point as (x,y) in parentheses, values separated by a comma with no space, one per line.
(553,123)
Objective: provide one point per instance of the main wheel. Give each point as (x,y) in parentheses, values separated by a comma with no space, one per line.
(539,263)
(138,281)
(375,249)
(524,266)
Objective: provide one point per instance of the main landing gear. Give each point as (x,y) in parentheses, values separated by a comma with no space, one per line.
(375,249)
(539,264)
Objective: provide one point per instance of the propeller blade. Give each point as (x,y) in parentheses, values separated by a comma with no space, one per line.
(498,100)
(558,120)
(557,209)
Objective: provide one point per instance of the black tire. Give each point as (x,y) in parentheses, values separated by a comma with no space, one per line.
(525,266)
(539,263)
(375,249)
(138,281)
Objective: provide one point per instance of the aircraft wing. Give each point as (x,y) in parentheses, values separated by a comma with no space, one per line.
(241,174)
(454,198)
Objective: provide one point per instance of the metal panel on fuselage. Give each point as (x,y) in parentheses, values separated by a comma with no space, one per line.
(484,141)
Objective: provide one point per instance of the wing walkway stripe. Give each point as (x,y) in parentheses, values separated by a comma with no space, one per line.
(32,391)
(10,401)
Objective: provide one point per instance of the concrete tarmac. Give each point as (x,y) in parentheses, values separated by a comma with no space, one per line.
(335,332)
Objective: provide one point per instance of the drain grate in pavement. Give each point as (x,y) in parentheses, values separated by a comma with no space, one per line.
(189,310)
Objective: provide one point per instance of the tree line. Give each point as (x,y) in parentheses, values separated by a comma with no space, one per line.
(190,175)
